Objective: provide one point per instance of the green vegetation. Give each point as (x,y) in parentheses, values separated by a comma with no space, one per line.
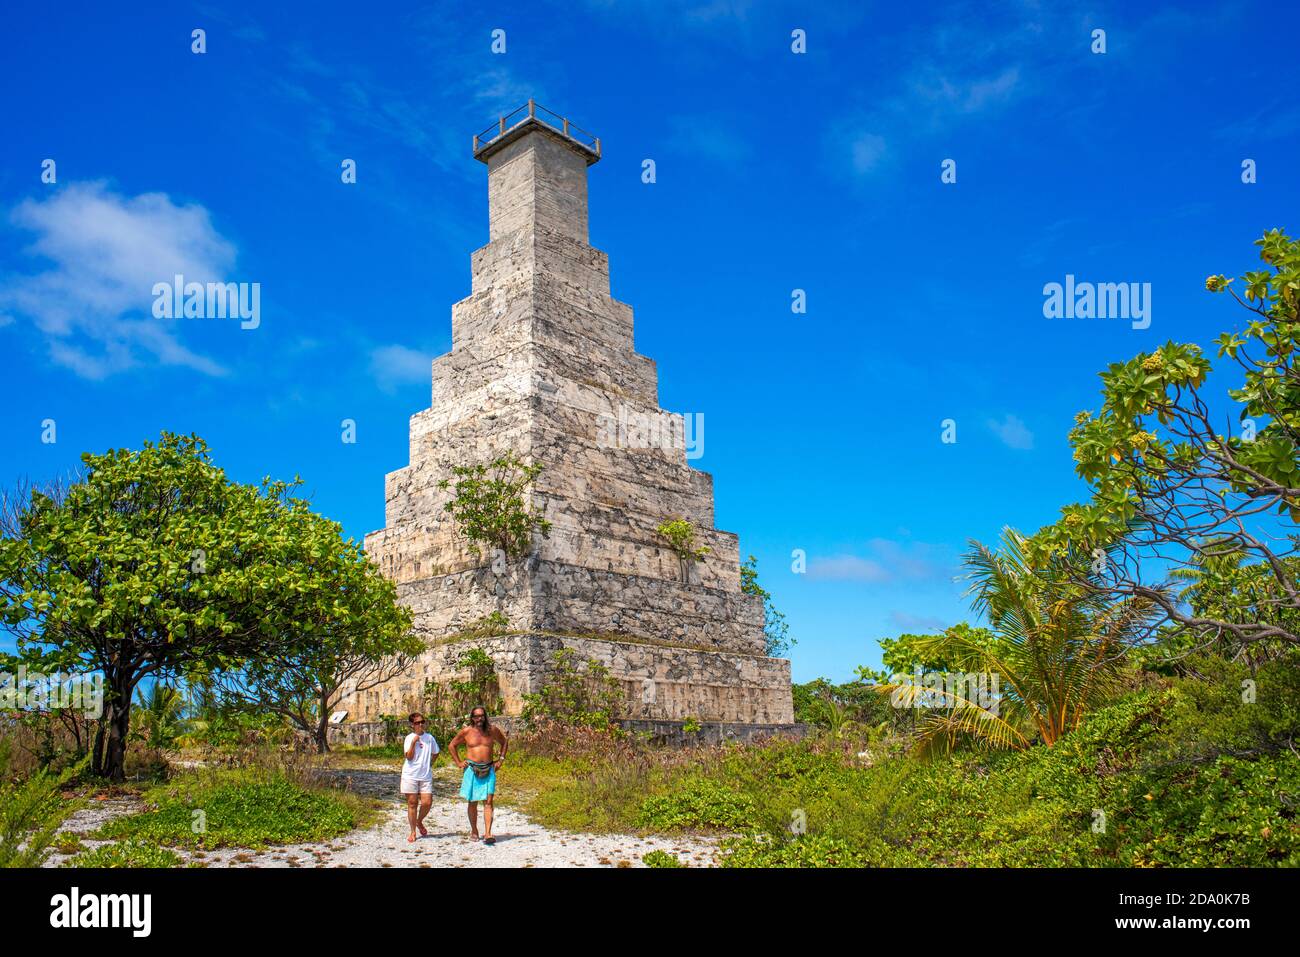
(1057,645)
(446,705)
(776,631)
(154,564)
(239,808)
(1168,484)
(131,854)
(660,859)
(161,711)
(1181,773)
(680,535)
(490,508)
(31,810)
(377,752)
(576,694)
(700,803)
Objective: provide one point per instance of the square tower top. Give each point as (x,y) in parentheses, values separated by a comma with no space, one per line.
(532,117)
(537,173)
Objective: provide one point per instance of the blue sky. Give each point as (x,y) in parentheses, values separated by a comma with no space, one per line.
(775,171)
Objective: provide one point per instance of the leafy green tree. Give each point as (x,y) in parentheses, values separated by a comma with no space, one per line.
(1174,482)
(490,506)
(837,709)
(155,565)
(1220,586)
(775,629)
(906,653)
(354,637)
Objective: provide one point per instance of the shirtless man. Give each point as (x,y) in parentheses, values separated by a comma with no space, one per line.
(480,780)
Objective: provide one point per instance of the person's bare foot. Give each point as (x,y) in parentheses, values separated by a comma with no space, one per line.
(424,831)
(411,838)
(473,835)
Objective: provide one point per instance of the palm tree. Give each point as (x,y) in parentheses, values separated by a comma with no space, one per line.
(1058,651)
(160,711)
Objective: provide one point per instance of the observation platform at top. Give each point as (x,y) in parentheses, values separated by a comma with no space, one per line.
(527,118)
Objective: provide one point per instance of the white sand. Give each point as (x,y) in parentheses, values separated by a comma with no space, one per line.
(519,841)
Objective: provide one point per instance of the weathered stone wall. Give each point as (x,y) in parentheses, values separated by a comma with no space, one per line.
(671,733)
(660,683)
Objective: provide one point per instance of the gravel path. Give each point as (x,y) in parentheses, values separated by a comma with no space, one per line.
(520,841)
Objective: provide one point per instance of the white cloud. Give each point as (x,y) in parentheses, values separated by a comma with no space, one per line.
(397,365)
(867,150)
(885,561)
(847,568)
(1013,432)
(923,624)
(966,95)
(105,252)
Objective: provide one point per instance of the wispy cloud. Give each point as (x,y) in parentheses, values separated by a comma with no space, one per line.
(866,151)
(104,253)
(1013,432)
(924,624)
(882,561)
(397,365)
(956,73)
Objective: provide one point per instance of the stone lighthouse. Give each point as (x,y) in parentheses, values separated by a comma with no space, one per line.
(543,366)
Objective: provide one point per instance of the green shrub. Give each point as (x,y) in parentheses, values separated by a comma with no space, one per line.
(660,859)
(490,504)
(806,851)
(576,694)
(131,854)
(700,804)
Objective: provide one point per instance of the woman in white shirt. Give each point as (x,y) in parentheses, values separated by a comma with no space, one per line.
(418,752)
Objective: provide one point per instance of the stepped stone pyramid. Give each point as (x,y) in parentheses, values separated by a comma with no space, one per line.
(543,365)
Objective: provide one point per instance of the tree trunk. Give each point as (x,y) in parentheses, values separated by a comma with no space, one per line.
(97,759)
(323,726)
(118,719)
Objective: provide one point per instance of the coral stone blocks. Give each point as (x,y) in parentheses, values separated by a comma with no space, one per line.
(542,361)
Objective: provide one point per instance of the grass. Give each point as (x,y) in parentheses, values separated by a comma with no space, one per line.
(240,808)
(364,758)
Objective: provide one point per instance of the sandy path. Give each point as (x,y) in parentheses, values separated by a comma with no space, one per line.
(520,841)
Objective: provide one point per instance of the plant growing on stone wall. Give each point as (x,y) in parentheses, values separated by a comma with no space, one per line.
(775,630)
(447,704)
(489,626)
(680,535)
(489,506)
(576,693)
